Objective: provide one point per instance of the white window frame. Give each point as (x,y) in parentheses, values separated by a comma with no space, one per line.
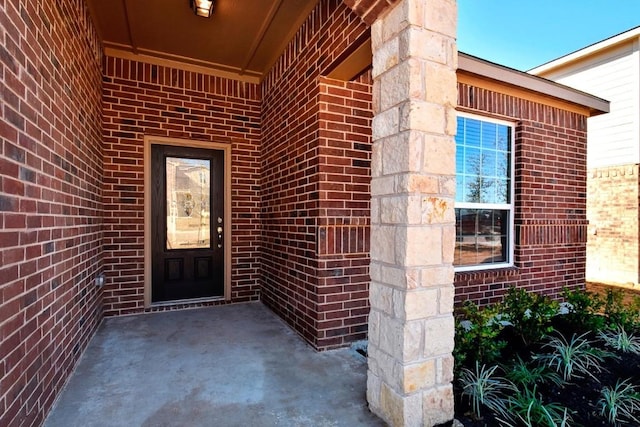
(490,206)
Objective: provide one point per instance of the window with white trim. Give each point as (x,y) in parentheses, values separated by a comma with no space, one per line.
(484,193)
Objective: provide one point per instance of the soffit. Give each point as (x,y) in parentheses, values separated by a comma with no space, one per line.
(244,37)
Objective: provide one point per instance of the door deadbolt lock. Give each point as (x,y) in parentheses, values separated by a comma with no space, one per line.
(219,230)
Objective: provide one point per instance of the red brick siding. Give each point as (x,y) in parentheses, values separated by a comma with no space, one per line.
(50,200)
(613,201)
(550,198)
(291,167)
(344,215)
(142,99)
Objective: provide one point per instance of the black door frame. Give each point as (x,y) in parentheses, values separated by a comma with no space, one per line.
(226,149)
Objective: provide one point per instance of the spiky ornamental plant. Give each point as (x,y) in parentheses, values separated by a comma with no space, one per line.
(574,358)
(526,407)
(620,340)
(484,388)
(528,374)
(547,416)
(620,404)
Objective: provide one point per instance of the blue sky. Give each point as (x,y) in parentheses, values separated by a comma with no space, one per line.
(522,34)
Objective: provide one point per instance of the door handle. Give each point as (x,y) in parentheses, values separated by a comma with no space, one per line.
(219,230)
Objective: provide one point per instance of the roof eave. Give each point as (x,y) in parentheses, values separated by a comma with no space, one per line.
(510,76)
(608,43)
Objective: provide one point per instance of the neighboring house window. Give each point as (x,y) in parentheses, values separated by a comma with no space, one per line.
(484,194)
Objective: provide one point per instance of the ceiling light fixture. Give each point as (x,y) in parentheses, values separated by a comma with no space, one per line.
(202,8)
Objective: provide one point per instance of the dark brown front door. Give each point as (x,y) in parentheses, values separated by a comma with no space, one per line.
(187,223)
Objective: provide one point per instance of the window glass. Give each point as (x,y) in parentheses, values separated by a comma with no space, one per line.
(481,236)
(471,161)
(489,135)
(472,133)
(188,203)
(503,138)
(484,207)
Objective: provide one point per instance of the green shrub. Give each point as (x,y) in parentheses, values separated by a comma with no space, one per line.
(584,310)
(476,338)
(620,403)
(617,314)
(529,313)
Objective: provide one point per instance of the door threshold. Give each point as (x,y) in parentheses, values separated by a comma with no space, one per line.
(186,302)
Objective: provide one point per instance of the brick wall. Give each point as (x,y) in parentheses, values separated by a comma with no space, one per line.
(613,199)
(50,200)
(294,201)
(344,216)
(550,198)
(142,99)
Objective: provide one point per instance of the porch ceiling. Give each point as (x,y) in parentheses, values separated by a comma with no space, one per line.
(242,37)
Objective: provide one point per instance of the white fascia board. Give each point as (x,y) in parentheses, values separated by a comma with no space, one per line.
(586,51)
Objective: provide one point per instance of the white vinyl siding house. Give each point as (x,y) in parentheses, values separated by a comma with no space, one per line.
(614,75)
(609,69)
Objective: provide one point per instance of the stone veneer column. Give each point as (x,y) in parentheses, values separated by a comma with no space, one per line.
(411,325)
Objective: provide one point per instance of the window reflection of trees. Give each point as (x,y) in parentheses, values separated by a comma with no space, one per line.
(483,188)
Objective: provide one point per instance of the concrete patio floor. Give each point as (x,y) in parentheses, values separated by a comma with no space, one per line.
(235,365)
